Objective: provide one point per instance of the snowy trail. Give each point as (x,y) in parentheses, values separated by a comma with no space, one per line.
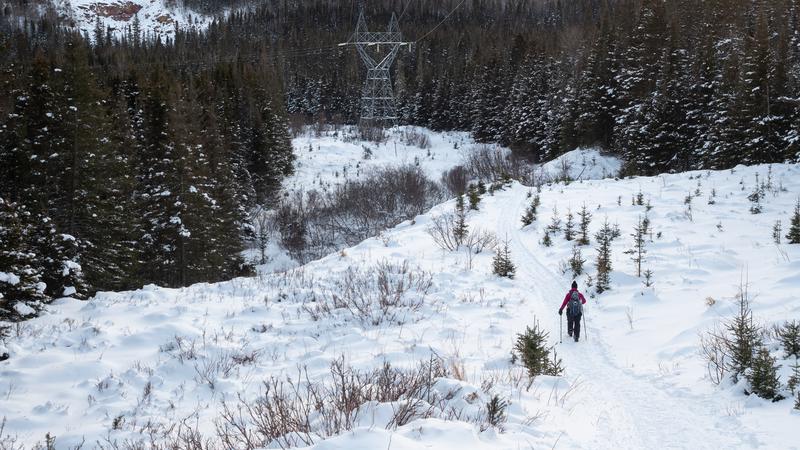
(614,408)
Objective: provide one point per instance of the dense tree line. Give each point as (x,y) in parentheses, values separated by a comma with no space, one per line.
(119,168)
(669,85)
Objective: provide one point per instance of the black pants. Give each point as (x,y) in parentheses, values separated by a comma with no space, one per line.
(574,325)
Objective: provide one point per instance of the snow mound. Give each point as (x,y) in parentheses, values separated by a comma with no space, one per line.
(23,309)
(580,164)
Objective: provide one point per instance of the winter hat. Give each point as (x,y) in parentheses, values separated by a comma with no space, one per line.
(574,285)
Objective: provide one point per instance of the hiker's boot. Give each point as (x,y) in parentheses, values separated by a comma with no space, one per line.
(576,338)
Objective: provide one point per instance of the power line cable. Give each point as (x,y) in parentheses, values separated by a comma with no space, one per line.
(404,10)
(440,23)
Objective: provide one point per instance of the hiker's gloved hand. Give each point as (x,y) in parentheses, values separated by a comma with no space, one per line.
(560,312)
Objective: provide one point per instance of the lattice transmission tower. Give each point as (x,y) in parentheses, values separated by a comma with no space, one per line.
(378,50)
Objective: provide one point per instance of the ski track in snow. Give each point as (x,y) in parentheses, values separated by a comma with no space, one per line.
(614,409)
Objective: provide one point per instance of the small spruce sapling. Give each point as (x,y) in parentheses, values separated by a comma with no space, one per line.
(603,264)
(533,351)
(755,200)
(502,264)
(585,220)
(530,213)
(744,336)
(776,232)
(555,222)
(794,229)
(763,377)
(638,251)
(495,412)
(794,379)
(474,197)
(789,335)
(547,241)
(461,229)
(576,262)
(569,226)
(648,278)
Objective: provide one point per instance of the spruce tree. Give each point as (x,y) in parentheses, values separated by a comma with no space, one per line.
(603,264)
(21,274)
(547,241)
(531,211)
(763,377)
(789,336)
(794,379)
(744,337)
(461,229)
(58,255)
(576,261)
(794,228)
(586,219)
(533,350)
(555,221)
(502,264)
(474,197)
(569,226)
(638,251)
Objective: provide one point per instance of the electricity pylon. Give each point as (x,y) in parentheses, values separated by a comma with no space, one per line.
(378,51)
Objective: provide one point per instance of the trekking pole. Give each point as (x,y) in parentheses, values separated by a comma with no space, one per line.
(560,329)
(585,330)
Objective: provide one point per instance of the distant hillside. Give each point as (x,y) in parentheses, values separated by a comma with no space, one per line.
(153,18)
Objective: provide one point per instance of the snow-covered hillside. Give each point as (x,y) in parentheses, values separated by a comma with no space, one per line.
(157,18)
(126,366)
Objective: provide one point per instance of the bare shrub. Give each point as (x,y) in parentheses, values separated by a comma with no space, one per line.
(416,137)
(386,292)
(295,412)
(443,231)
(492,163)
(7,441)
(210,368)
(479,240)
(264,229)
(314,224)
(455,180)
(372,133)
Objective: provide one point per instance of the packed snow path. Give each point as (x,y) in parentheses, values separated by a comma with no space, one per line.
(614,408)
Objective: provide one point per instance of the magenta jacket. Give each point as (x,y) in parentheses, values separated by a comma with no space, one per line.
(569,294)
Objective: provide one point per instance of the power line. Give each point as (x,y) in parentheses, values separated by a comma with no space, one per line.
(404,11)
(440,23)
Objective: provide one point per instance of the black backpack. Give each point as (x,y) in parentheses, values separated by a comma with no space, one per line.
(574,307)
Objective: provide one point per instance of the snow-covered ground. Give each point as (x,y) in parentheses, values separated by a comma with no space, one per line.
(117,366)
(334,157)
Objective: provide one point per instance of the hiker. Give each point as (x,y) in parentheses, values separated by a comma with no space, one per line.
(574,302)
